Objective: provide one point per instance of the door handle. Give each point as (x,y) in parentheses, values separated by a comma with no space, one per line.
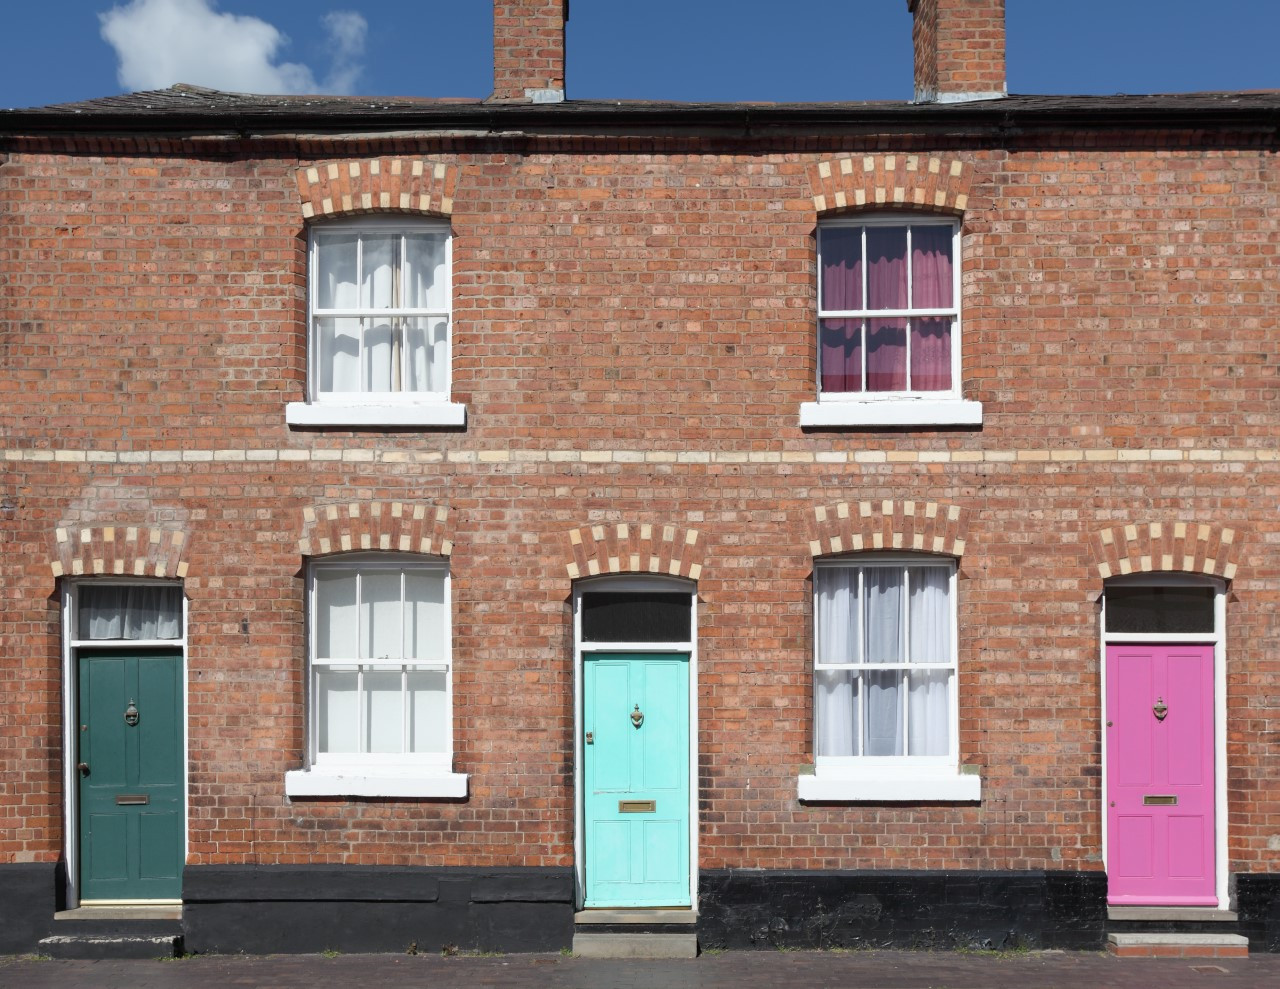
(84,768)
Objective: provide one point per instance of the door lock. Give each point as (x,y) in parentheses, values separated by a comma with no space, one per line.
(84,768)
(591,738)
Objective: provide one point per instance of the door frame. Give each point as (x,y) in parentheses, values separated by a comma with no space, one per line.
(71,647)
(1217,639)
(636,583)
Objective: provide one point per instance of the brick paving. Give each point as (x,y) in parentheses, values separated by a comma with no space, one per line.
(731,970)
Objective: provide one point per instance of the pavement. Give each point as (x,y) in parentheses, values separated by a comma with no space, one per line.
(727,970)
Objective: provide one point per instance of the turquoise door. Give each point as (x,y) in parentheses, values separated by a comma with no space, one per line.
(636,779)
(130,771)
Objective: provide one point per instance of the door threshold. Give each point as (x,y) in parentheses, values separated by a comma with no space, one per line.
(132,910)
(637,916)
(1157,913)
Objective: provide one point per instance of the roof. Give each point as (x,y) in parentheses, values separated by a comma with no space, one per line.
(192,110)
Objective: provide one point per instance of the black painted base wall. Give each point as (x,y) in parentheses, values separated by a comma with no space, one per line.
(27,904)
(1258,904)
(293,909)
(1002,910)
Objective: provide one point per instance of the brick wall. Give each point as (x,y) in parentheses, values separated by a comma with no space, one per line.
(528,48)
(633,339)
(959,48)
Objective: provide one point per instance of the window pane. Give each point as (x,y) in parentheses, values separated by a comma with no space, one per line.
(835,712)
(1160,609)
(425,618)
(931,354)
(840,354)
(337,711)
(931,280)
(428,720)
(377,274)
(336,623)
(426,343)
(426,286)
(130,612)
(384,711)
(636,617)
(336,256)
(886,355)
(841,250)
(380,621)
(838,613)
(883,588)
(884,713)
(929,716)
(381,361)
(886,267)
(930,614)
(338,360)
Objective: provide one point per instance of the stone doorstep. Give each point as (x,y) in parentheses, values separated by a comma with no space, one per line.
(96,946)
(662,916)
(588,945)
(1172,914)
(1178,945)
(121,913)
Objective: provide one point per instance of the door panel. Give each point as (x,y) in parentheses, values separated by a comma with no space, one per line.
(131,796)
(636,779)
(1160,776)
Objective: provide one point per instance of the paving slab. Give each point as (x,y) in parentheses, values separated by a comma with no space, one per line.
(729,970)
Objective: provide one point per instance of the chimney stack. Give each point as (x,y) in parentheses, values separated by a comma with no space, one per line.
(528,50)
(959,48)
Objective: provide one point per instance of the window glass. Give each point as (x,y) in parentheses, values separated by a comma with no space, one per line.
(636,617)
(1160,609)
(887,628)
(129,611)
(380,659)
(887,309)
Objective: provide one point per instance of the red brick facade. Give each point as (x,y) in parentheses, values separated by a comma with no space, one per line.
(633,336)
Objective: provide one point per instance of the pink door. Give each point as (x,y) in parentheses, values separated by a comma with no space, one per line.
(1160,792)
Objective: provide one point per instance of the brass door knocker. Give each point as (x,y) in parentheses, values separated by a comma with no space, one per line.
(1160,709)
(637,716)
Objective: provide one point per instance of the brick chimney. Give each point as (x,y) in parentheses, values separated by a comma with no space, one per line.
(959,46)
(528,50)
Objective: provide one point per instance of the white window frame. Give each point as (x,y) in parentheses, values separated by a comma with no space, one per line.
(71,646)
(365,408)
(427,774)
(902,777)
(897,408)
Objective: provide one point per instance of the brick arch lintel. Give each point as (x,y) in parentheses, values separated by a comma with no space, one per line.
(894,181)
(376,526)
(629,547)
(878,526)
(376,185)
(120,550)
(1181,546)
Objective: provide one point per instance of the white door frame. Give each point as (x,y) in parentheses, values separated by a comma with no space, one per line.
(634,583)
(1218,639)
(71,646)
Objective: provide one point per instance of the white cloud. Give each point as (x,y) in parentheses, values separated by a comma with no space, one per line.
(160,42)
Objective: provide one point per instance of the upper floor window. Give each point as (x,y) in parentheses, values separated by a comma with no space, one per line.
(889,322)
(379,301)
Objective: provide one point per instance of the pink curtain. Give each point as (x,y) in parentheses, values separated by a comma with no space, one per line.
(931,289)
(887,289)
(840,340)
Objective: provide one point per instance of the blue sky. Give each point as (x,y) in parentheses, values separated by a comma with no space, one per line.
(55,51)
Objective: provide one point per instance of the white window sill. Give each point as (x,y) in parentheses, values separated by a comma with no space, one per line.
(892,412)
(375,414)
(881,788)
(358,783)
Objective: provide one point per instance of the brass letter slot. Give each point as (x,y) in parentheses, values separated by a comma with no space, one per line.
(132,799)
(637,806)
(1166,799)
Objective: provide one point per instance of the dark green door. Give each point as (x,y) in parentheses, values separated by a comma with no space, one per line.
(130,770)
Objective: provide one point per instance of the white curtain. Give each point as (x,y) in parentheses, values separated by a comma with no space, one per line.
(884,600)
(130,612)
(930,617)
(835,700)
